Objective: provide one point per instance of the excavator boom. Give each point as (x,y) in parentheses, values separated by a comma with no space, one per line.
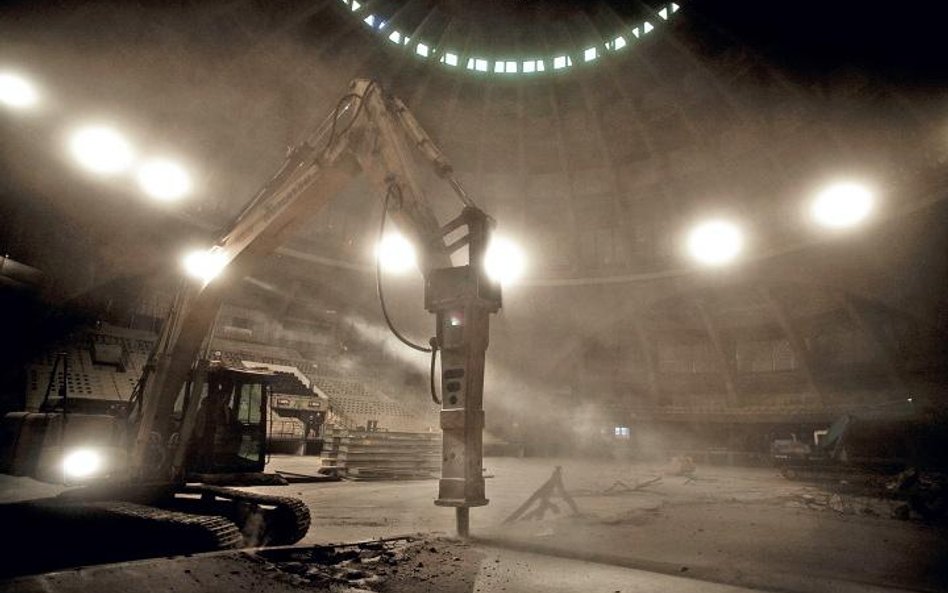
(373,133)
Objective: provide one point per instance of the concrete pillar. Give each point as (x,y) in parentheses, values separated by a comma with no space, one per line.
(648,352)
(725,360)
(797,342)
(885,350)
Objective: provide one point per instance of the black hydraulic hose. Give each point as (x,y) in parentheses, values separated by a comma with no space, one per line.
(335,113)
(378,279)
(431,373)
(433,343)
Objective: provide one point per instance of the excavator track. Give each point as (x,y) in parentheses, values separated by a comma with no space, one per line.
(203,533)
(263,519)
(54,533)
(259,519)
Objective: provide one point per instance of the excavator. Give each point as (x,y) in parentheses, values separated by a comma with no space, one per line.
(145,469)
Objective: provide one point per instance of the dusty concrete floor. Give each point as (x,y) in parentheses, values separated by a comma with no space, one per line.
(736,526)
(742,526)
(427,566)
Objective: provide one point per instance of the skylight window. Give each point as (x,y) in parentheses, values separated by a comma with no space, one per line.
(531,66)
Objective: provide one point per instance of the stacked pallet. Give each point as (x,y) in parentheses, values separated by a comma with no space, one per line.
(380,455)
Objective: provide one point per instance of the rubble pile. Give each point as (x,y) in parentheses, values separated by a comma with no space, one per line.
(373,565)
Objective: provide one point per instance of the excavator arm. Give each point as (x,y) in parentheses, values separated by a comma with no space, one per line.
(372,133)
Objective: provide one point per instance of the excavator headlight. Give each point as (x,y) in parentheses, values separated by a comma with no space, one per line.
(82,463)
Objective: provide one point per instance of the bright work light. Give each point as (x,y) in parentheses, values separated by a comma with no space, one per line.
(395,254)
(163,179)
(842,205)
(205,265)
(17,91)
(504,261)
(101,149)
(715,242)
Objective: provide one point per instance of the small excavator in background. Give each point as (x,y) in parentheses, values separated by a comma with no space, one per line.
(903,450)
(144,470)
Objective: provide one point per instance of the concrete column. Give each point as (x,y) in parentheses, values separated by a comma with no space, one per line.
(796,341)
(885,350)
(648,352)
(725,360)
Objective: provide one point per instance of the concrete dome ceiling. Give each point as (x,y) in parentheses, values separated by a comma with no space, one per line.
(740,111)
(599,171)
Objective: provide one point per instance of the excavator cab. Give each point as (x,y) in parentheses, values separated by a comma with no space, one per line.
(76,441)
(230,428)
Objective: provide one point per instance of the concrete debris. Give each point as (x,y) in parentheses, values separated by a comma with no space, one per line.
(682,465)
(619,486)
(357,566)
(373,566)
(842,504)
(835,503)
(902,512)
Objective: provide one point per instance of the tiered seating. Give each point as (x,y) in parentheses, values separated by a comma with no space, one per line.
(84,378)
(363,405)
(125,352)
(352,402)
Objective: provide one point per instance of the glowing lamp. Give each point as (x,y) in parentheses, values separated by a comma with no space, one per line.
(163,179)
(504,261)
(715,242)
(205,265)
(842,205)
(101,149)
(395,254)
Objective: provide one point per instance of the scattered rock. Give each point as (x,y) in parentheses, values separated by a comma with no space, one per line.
(836,503)
(902,512)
